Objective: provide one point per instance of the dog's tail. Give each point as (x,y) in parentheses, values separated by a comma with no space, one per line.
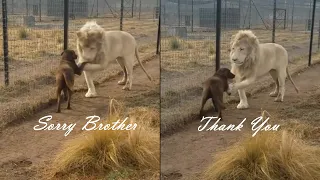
(289,76)
(137,56)
(69,79)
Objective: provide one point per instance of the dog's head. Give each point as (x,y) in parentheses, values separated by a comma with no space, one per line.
(225,72)
(69,55)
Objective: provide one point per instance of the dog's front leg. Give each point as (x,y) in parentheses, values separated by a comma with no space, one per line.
(91,89)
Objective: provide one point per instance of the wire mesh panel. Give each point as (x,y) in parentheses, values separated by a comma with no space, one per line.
(35,41)
(187,55)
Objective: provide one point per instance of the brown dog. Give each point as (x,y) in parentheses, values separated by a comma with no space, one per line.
(65,76)
(214,87)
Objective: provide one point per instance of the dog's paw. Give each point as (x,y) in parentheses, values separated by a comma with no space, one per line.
(242,105)
(90,94)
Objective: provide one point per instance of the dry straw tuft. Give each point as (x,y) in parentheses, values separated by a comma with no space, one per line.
(108,151)
(267,156)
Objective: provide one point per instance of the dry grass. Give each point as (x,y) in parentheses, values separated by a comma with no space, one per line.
(269,156)
(109,153)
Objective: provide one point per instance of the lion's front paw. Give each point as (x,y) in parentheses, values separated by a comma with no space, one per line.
(242,105)
(90,94)
(278,99)
(273,94)
(127,87)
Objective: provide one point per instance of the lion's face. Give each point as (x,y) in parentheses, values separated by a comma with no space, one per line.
(239,52)
(89,44)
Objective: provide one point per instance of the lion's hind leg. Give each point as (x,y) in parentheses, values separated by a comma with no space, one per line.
(123,81)
(274,76)
(128,62)
(282,79)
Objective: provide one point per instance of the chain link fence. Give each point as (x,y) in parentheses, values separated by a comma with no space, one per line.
(36,40)
(188,43)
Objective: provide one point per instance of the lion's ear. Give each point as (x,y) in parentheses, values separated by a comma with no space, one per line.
(253,39)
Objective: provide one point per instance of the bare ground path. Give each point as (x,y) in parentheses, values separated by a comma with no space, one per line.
(23,150)
(188,152)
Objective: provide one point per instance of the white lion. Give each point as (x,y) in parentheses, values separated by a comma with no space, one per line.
(251,60)
(100,47)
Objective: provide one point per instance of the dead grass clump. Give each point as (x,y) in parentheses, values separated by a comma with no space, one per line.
(212,49)
(22,33)
(38,35)
(174,44)
(147,115)
(105,152)
(268,155)
(59,40)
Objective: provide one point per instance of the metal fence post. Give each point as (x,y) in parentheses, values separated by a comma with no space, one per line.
(121,15)
(292,15)
(250,14)
(179,13)
(191,15)
(66,24)
(319,35)
(132,6)
(5,41)
(312,27)
(159,31)
(139,9)
(218,33)
(274,20)
(40,10)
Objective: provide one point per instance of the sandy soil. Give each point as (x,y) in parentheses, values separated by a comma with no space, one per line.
(187,152)
(24,152)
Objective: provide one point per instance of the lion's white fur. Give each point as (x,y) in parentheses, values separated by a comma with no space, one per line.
(100,48)
(251,60)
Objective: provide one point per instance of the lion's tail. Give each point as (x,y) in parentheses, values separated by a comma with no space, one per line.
(295,87)
(137,56)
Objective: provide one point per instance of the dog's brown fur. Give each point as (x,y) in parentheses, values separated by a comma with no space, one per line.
(65,76)
(214,87)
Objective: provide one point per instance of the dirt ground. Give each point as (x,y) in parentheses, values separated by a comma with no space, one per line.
(186,154)
(26,154)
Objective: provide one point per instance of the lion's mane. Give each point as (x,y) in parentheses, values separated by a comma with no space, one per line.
(246,36)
